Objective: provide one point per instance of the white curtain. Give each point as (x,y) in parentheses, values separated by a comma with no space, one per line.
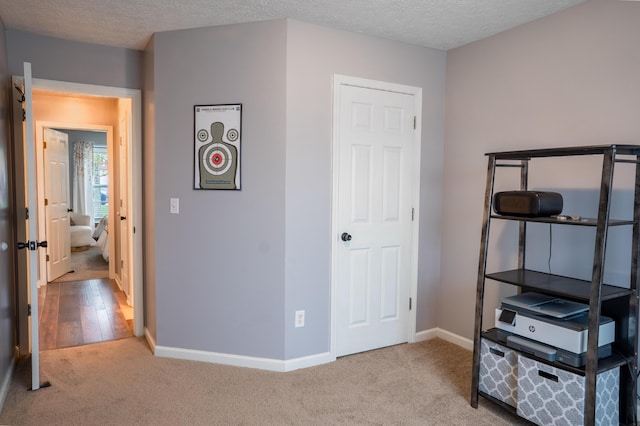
(83,178)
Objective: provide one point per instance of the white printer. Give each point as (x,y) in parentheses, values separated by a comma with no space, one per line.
(559,323)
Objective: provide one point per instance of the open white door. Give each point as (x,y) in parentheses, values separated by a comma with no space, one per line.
(123,168)
(32,244)
(56,160)
(22,216)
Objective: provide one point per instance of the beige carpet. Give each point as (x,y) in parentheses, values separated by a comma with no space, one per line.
(86,265)
(121,382)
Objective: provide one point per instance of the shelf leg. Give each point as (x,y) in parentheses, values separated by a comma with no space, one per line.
(596,286)
(482,265)
(522,227)
(628,384)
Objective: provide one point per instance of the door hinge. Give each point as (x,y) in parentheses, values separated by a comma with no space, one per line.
(413,211)
(26,213)
(414,122)
(410,303)
(44,144)
(28,309)
(21,99)
(47,258)
(122,264)
(46,202)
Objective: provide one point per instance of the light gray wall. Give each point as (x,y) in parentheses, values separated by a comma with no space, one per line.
(219,264)
(233,266)
(566,80)
(7,277)
(314,55)
(64,60)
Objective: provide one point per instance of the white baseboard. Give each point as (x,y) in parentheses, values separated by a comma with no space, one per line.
(241,360)
(421,336)
(444,335)
(276,364)
(6,382)
(308,361)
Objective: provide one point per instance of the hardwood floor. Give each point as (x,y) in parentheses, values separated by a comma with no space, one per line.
(82,312)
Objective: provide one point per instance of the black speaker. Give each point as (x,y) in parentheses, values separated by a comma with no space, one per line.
(527,203)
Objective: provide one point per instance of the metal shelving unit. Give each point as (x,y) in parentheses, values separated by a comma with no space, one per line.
(617,302)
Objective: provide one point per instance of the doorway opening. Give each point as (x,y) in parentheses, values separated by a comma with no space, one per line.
(122,124)
(84,302)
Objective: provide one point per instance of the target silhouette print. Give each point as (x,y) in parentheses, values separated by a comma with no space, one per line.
(217,138)
(232,135)
(217,159)
(203,135)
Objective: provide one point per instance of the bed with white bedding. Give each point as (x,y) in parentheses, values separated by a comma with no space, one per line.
(101,235)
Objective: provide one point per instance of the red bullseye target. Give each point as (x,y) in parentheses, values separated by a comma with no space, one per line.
(217,159)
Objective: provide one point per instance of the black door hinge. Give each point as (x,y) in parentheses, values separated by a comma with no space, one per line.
(29,309)
(21,99)
(410,303)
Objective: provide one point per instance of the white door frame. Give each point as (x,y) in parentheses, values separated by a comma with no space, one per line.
(40,126)
(135,173)
(342,80)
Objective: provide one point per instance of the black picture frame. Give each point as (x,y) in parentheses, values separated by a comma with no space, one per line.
(217,146)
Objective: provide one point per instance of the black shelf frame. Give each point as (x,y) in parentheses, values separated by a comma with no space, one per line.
(614,360)
(595,292)
(556,285)
(584,221)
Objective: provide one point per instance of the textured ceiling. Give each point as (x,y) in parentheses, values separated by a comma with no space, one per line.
(441,24)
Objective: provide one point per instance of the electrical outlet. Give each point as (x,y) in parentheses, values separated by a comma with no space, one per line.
(299,319)
(174,205)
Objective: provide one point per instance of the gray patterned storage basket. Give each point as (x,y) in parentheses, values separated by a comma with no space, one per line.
(551,396)
(499,372)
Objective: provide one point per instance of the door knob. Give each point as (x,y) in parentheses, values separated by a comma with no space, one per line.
(32,245)
(345,236)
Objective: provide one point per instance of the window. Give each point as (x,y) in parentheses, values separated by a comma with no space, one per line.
(100,183)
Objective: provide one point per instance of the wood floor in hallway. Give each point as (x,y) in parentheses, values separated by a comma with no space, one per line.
(81,312)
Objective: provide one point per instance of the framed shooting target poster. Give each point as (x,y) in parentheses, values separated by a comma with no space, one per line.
(217,137)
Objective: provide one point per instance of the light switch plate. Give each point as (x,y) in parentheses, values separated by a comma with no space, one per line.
(174,205)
